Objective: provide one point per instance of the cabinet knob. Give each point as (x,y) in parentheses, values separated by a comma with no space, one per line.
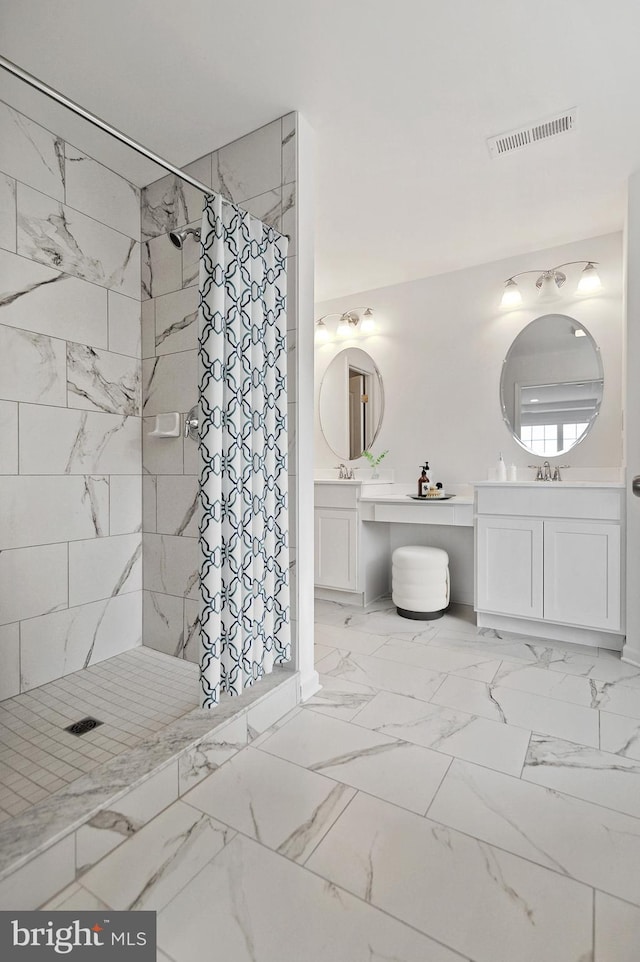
(635,485)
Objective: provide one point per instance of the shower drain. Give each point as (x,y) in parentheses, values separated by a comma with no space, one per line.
(83,726)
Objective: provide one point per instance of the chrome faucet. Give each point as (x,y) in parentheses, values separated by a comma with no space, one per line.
(543,471)
(345,474)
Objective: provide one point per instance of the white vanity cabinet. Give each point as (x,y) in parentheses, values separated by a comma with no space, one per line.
(351,559)
(548,560)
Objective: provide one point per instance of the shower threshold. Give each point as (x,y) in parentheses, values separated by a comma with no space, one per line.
(93,790)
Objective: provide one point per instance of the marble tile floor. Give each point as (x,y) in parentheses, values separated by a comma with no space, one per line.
(436,801)
(38,757)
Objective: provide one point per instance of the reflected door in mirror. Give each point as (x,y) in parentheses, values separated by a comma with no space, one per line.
(351,403)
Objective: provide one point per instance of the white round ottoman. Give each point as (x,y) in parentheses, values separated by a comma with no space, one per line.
(420,582)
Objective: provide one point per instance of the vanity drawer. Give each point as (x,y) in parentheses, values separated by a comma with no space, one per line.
(594,504)
(336,495)
(415,513)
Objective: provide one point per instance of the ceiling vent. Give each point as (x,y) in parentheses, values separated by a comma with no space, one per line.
(562,123)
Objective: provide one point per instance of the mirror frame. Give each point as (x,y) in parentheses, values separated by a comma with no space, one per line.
(503,407)
(382,402)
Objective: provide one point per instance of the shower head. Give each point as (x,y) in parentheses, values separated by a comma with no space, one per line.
(178,237)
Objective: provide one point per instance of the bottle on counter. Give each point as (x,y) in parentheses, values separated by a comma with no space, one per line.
(423,481)
(501,469)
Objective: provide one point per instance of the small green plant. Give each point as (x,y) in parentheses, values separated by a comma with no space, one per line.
(374,462)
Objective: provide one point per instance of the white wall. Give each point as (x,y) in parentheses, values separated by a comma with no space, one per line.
(440,346)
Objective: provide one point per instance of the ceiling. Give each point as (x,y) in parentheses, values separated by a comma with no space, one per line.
(402,97)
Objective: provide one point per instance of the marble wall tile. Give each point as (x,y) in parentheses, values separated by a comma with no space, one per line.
(100,193)
(81,509)
(104,567)
(171,565)
(290,218)
(10,660)
(177,321)
(148,328)
(267,207)
(32,367)
(33,581)
(125,504)
(289,160)
(149,498)
(136,875)
(249,166)
(63,642)
(161,266)
(411,867)
(178,505)
(67,441)
(191,457)
(58,236)
(160,455)
(267,712)
(162,617)
(8,437)
(191,261)
(191,631)
(210,753)
(7,213)
(30,153)
(124,325)
(617,930)
(170,382)
(102,381)
(109,827)
(170,203)
(39,879)
(40,299)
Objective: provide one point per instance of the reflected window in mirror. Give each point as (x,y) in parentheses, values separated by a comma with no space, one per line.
(551,385)
(351,403)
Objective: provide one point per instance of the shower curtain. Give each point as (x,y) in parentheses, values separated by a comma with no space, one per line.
(244,536)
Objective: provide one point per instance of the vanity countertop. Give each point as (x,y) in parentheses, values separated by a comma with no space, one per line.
(397,498)
(549,484)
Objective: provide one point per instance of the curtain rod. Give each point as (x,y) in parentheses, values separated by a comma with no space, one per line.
(102,124)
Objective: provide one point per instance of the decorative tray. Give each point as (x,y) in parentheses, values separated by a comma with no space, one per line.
(441,497)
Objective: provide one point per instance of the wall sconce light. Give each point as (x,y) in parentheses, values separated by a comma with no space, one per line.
(550,281)
(358,322)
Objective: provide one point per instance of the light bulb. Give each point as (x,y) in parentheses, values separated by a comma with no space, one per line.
(548,286)
(367,324)
(322,333)
(344,328)
(589,281)
(511,296)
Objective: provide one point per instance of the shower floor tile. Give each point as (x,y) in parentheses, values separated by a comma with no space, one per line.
(134,694)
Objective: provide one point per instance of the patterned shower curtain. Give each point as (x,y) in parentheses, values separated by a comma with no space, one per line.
(244,536)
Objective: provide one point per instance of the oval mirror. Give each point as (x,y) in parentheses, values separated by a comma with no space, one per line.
(351,403)
(551,385)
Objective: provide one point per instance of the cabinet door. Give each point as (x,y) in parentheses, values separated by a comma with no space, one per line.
(336,552)
(509,566)
(582,573)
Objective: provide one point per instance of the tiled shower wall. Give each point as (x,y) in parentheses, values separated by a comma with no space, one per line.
(257,172)
(70,429)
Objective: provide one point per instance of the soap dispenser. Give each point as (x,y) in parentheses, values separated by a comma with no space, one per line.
(501,469)
(423,481)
